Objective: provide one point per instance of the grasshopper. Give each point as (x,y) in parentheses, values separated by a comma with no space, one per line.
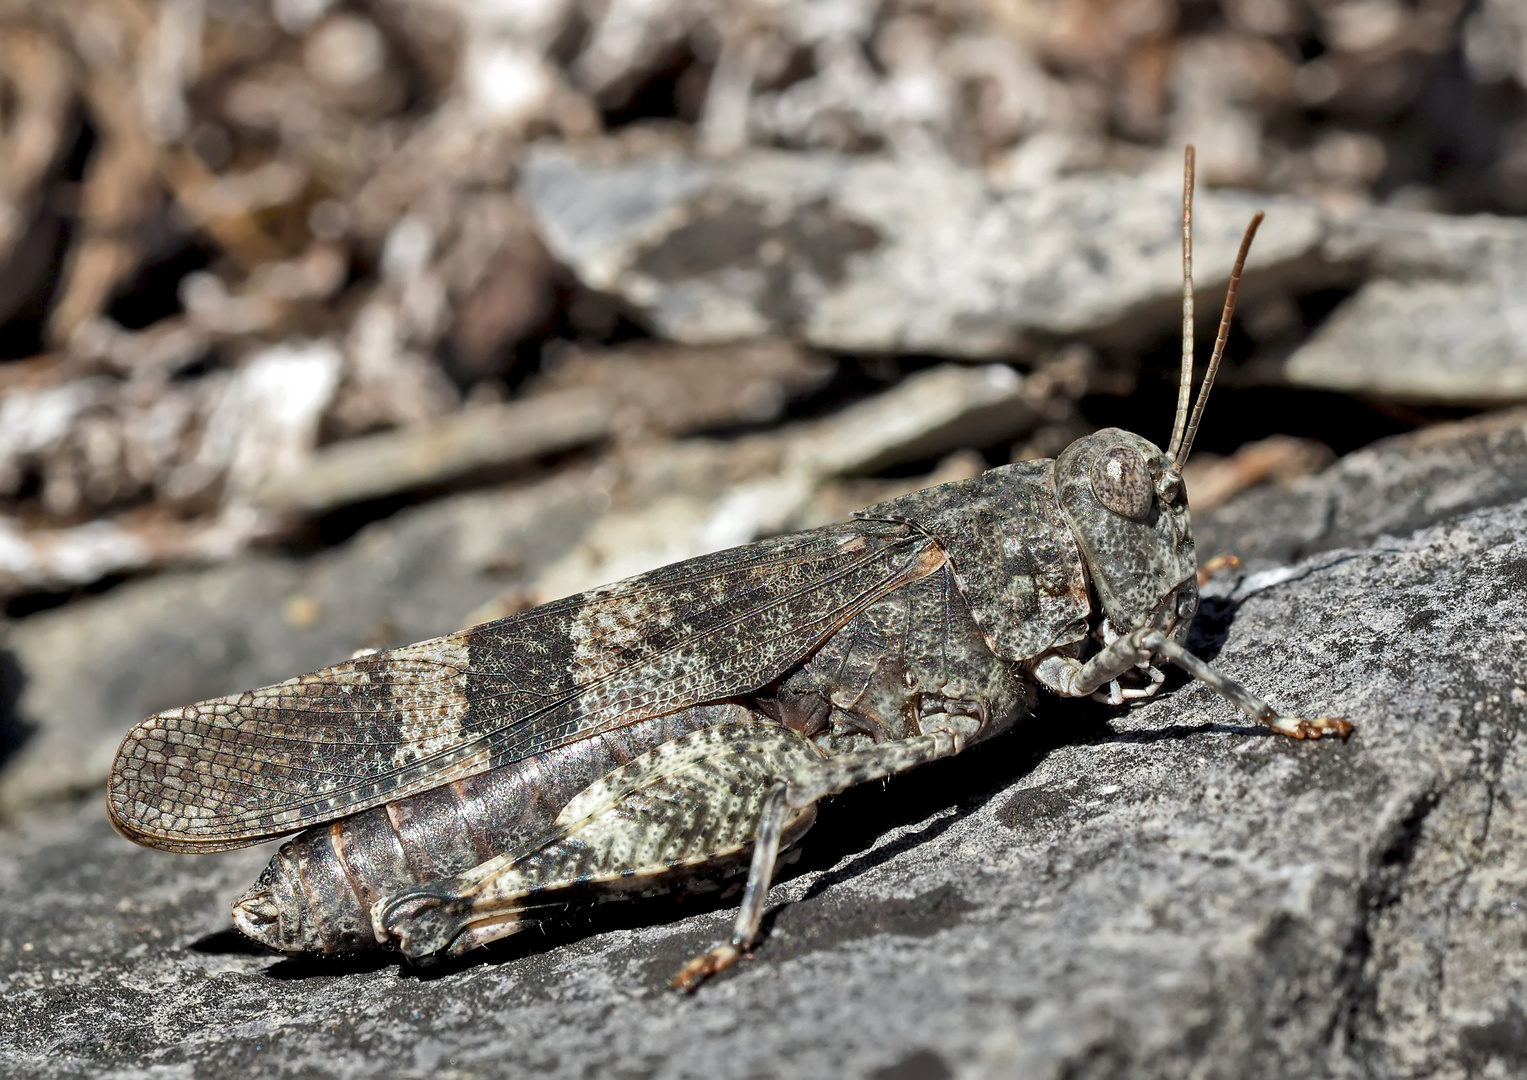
(685,723)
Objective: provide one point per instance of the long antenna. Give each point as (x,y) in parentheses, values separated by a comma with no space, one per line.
(1185,381)
(1181,457)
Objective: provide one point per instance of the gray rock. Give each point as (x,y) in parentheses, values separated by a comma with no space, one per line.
(678,390)
(1444,319)
(699,496)
(867,255)
(1393,487)
(873,256)
(1153,892)
(926,414)
(389,462)
(589,396)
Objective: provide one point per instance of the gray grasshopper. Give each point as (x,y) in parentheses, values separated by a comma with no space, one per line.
(684,723)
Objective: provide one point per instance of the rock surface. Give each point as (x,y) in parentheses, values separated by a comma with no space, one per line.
(867,255)
(1394,486)
(1153,892)
(655,388)
(878,256)
(1441,319)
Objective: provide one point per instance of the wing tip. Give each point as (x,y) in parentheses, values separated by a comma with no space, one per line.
(129,825)
(130,802)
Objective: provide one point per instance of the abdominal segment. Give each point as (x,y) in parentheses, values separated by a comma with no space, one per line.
(316,894)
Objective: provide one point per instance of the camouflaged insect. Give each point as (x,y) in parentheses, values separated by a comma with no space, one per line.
(685,722)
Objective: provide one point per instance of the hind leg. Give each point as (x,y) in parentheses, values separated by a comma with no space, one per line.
(673,812)
(682,808)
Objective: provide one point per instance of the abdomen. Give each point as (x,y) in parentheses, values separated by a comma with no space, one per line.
(317,892)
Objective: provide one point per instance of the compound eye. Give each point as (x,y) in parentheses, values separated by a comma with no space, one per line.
(1122,482)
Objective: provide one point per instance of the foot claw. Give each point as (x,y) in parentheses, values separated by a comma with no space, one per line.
(1297,728)
(692,974)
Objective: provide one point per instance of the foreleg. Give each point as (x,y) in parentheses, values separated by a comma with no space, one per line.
(1072,678)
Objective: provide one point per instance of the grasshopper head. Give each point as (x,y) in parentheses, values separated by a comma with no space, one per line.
(1123,498)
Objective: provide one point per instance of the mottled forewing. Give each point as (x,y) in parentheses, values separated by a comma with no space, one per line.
(234,770)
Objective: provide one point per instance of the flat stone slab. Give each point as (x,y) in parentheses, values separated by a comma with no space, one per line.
(1392,487)
(866,255)
(876,256)
(1441,319)
(1160,891)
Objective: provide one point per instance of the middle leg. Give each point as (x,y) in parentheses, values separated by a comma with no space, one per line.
(812,782)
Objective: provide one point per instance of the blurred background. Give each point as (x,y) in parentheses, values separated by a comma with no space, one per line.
(337,325)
